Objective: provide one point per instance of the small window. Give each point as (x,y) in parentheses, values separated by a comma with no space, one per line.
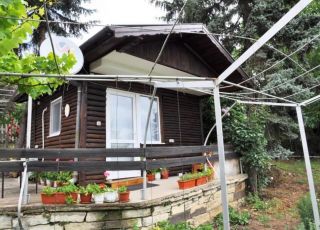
(55,117)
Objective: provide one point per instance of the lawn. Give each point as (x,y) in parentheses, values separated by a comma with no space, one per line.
(297,167)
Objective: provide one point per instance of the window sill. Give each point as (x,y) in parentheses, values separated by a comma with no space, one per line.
(54,135)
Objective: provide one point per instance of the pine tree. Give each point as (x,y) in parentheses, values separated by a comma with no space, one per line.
(62,10)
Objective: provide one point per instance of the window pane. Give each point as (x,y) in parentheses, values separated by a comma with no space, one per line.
(153,130)
(121,117)
(56,117)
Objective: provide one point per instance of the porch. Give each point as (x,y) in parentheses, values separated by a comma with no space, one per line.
(164,202)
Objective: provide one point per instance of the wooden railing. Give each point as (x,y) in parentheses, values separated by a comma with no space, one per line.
(167,157)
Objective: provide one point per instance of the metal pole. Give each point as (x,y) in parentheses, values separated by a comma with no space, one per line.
(308,168)
(144,189)
(223,181)
(28,145)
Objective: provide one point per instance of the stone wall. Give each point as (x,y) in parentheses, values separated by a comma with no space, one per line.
(197,206)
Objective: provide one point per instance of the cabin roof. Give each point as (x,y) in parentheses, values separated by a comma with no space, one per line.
(195,35)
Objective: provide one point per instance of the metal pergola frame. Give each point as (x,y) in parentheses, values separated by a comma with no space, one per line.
(212,88)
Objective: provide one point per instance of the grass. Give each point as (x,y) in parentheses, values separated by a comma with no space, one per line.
(297,167)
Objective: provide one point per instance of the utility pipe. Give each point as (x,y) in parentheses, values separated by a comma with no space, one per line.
(42,120)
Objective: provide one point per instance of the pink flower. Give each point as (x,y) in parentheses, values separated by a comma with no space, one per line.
(106,174)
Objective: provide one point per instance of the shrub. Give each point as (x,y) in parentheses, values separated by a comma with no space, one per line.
(236,218)
(306,213)
(256,202)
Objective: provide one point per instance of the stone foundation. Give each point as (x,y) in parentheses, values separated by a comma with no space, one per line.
(197,206)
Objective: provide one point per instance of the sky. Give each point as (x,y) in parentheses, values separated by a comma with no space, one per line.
(120,12)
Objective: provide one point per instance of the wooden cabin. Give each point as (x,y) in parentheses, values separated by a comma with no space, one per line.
(113,114)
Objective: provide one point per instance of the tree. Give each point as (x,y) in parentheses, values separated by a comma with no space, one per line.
(12,35)
(251,19)
(64,10)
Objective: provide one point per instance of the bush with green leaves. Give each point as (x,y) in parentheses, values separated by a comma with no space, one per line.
(305,211)
(256,202)
(165,225)
(236,218)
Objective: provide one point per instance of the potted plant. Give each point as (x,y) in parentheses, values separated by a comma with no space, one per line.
(164,173)
(209,173)
(157,174)
(63,178)
(60,196)
(110,195)
(71,190)
(49,177)
(85,194)
(98,193)
(201,178)
(106,175)
(47,195)
(151,175)
(124,194)
(42,178)
(187,181)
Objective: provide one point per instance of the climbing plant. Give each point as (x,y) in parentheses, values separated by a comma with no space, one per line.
(12,34)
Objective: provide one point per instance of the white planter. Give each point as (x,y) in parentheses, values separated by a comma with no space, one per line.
(158,176)
(42,181)
(48,183)
(110,196)
(98,198)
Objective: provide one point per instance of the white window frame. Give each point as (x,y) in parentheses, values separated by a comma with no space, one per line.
(138,137)
(55,101)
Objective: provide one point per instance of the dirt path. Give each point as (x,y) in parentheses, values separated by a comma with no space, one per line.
(282,196)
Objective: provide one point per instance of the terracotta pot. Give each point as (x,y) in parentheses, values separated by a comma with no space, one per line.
(187,184)
(210,178)
(201,180)
(151,177)
(85,199)
(59,198)
(124,196)
(164,175)
(47,199)
(74,196)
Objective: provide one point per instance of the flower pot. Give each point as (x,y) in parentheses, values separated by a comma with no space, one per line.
(98,198)
(124,196)
(187,184)
(158,176)
(56,184)
(47,199)
(164,175)
(74,196)
(151,177)
(85,199)
(60,198)
(110,196)
(210,177)
(201,180)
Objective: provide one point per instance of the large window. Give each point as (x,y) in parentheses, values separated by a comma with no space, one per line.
(126,119)
(55,117)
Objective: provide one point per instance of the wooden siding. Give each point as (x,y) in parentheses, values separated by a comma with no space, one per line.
(177,54)
(190,121)
(66,139)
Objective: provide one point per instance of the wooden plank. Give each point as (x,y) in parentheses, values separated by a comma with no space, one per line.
(177,150)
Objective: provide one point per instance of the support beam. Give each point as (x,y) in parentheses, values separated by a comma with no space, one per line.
(185,84)
(223,181)
(264,39)
(28,146)
(308,168)
(311,100)
(144,187)
(261,102)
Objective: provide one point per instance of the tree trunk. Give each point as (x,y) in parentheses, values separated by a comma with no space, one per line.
(253,180)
